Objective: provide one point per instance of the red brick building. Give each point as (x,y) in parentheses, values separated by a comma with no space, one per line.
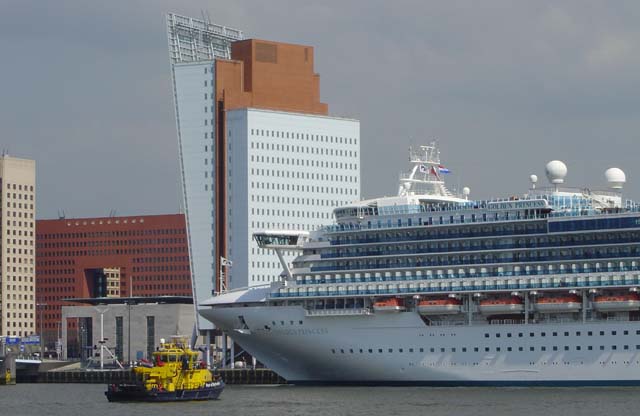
(107,257)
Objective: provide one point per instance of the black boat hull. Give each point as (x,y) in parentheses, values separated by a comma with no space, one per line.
(137,393)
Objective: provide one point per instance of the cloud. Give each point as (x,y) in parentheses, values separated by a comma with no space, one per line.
(505,86)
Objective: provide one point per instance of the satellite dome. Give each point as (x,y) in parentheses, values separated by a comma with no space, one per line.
(466,191)
(533,178)
(615,177)
(556,171)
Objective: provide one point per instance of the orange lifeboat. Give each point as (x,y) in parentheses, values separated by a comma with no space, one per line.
(507,305)
(558,304)
(389,305)
(439,306)
(617,303)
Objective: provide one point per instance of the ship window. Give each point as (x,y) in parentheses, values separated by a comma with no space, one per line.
(613,332)
(578,333)
(300,322)
(486,335)
(341,351)
(601,347)
(590,333)
(590,347)
(543,334)
(543,348)
(497,349)
(497,335)
(578,347)
(566,348)
(555,348)
(531,334)
(637,331)
(566,333)
(464,349)
(601,332)
(555,334)
(361,350)
(441,349)
(520,349)
(509,349)
(370,351)
(626,347)
(508,334)
(626,332)
(532,349)
(421,349)
(452,350)
(410,349)
(520,334)
(613,347)
(476,349)
(333,351)
(638,347)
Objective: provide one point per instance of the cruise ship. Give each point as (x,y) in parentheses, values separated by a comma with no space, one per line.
(433,288)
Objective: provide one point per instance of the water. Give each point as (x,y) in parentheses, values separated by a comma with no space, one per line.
(89,399)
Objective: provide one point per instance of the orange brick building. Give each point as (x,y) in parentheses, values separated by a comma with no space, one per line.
(107,257)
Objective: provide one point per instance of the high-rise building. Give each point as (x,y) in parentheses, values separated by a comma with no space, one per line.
(137,256)
(17,265)
(287,171)
(257,148)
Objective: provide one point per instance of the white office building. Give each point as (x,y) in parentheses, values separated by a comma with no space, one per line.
(17,249)
(287,171)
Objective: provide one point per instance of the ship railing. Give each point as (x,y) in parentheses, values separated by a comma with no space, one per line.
(377,221)
(494,285)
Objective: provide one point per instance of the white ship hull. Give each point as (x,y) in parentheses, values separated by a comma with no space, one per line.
(399,348)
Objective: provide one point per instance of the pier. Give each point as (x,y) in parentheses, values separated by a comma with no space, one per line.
(230,376)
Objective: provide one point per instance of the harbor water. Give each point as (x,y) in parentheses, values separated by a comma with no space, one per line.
(89,399)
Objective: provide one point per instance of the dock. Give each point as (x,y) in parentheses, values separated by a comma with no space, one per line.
(230,376)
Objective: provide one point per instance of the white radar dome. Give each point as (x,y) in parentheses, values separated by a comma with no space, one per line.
(615,177)
(556,171)
(533,178)
(466,191)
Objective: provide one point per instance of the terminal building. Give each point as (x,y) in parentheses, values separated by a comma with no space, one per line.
(258,149)
(17,254)
(106,257)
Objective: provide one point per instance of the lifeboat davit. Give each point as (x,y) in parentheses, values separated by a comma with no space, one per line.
(439,306)
(617,303)
(558,304)
(510,305)
(389,305)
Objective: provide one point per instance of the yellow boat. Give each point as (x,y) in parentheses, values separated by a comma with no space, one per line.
(175,374)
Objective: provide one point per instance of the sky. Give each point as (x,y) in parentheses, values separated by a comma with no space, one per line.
(504,86)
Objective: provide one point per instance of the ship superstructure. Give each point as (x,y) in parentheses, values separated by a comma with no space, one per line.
(430,287)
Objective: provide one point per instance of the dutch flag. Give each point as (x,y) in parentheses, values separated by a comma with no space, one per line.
(442,169)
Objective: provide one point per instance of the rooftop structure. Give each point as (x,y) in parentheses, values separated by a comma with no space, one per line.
(194,40)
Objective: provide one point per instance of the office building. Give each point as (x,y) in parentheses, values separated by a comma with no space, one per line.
(17,268)
(257,149)
(107,257)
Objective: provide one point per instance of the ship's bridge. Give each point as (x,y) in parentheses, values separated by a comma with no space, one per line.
(281,239)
